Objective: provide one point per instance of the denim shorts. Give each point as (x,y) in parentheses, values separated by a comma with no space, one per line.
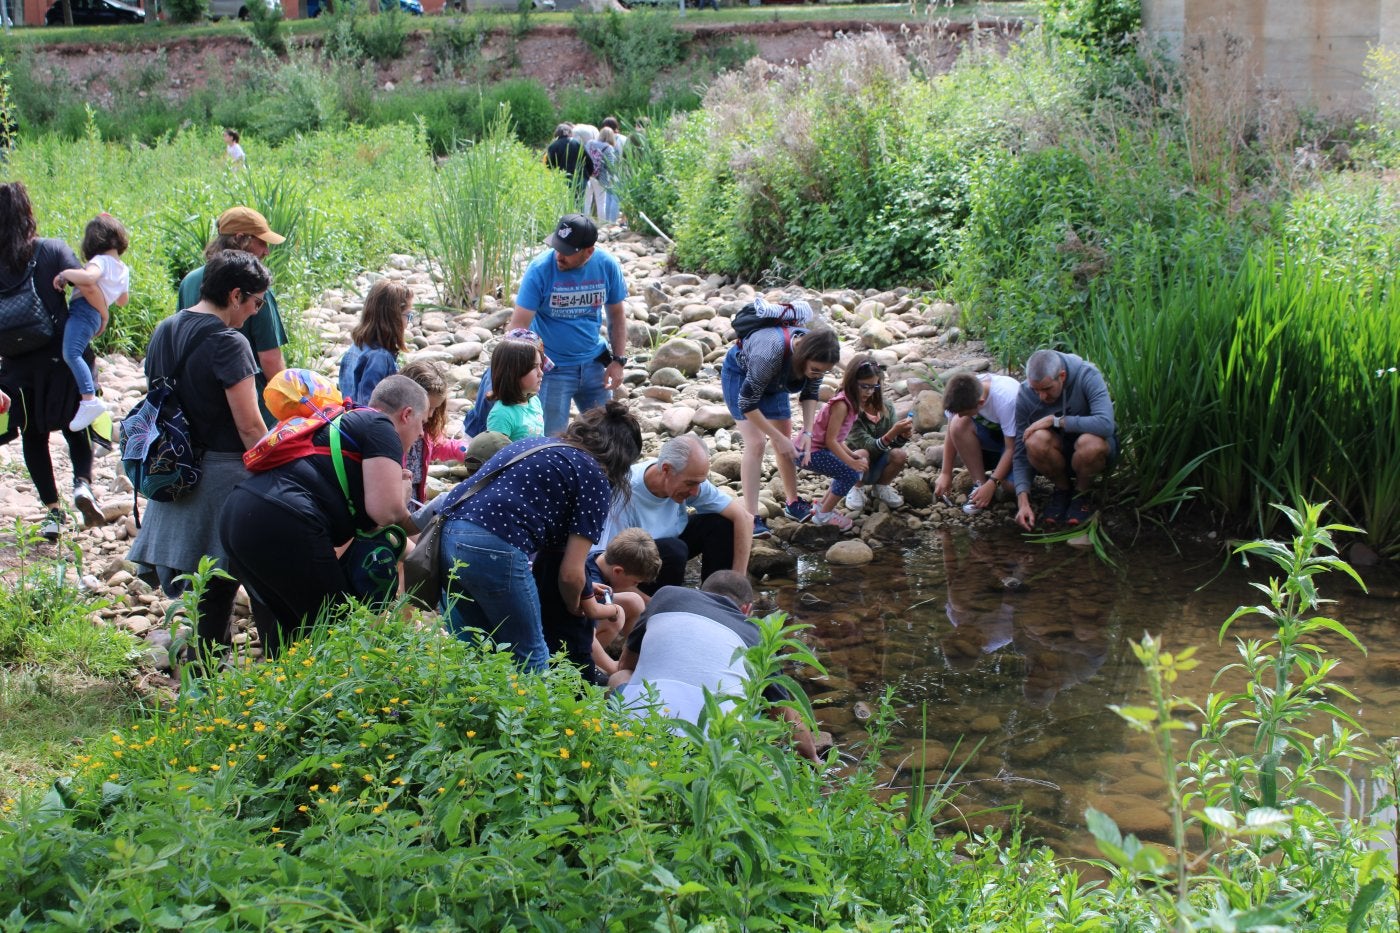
(775,406)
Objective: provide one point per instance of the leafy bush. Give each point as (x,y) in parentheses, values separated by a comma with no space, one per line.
(455,43)
(187,11)
(381,776)
(381,37)
(1103,25)
(267,28)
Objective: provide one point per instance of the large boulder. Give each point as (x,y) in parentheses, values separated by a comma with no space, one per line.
(768,560)
(850,553)
(928,412)
(678,353)
(713,417)
(676,419)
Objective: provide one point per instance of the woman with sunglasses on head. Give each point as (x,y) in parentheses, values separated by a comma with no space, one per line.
(877,432)
(831,456)
(212,367)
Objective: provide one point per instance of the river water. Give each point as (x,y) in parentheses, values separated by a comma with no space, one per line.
(1005,655)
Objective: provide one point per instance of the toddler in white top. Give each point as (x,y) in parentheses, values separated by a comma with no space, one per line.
(101,283)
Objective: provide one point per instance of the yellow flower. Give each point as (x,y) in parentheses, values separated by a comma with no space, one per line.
(586,764)
(336,765)
(471,733)
(276,829)
(520,692)
(213,767)
(315,787)
(652,763)
(369,778)
(563,753)
(442,790)
(117,753)
(568,732)
(520,775)
(259,727)
(359,689)
(262,758)
(303,808)
(193,769)
(335,788)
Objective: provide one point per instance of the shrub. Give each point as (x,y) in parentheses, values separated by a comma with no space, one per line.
(267,28)
(381,37)
(637,45)
(1103,25)
(455,43)
(381,775)
(187,11)
(532,114)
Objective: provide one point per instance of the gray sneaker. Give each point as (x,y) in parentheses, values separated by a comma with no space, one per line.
(970,507)
(86,503)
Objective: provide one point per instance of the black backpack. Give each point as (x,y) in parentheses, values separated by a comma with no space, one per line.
(25,325)
(760,314)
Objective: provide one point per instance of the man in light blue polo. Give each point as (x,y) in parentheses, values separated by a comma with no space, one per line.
(562,298)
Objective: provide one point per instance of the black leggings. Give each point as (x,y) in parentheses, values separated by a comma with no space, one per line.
(39,463)
(215,608)
(285,560)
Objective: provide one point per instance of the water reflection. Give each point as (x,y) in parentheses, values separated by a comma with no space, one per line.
(1006,655)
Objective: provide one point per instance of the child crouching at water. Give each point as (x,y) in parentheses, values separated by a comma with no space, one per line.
(101,283)
(882,436)
(860,395)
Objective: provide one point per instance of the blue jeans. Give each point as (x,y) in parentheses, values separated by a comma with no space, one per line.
(877,466)
(84,321)
(581,385)
(490,591)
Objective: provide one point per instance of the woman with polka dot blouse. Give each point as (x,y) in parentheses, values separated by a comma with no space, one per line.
(555,500)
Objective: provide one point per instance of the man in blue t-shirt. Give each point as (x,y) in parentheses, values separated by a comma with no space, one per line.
(665,491)
(561,298)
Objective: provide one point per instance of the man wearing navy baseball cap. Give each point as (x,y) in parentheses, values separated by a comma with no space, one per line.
(562,298)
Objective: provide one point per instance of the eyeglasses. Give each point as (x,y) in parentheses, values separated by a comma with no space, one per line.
(869,368)
(258,301)
(868,386)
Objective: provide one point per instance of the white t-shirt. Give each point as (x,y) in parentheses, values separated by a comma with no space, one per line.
(999,411)
(235,152)
(114,277)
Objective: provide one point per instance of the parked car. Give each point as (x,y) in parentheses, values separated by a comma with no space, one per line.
(221,9)
(96,13)
(412,7)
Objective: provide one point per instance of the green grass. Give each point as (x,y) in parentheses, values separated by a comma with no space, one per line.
(46,718)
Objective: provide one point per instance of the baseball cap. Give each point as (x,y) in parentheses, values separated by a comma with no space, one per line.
(482,448)
(573,233)
(246,220)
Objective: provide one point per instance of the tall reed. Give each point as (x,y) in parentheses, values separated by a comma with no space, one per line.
(490,201)
(1289,367)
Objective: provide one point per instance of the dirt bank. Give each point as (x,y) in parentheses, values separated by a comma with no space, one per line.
(551,54)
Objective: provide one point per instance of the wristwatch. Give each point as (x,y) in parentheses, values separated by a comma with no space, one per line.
(1057,422)
(620,360)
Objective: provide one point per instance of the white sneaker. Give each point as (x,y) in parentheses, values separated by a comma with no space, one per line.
(88,410)
(855,499)
(970,507)
(889,495)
